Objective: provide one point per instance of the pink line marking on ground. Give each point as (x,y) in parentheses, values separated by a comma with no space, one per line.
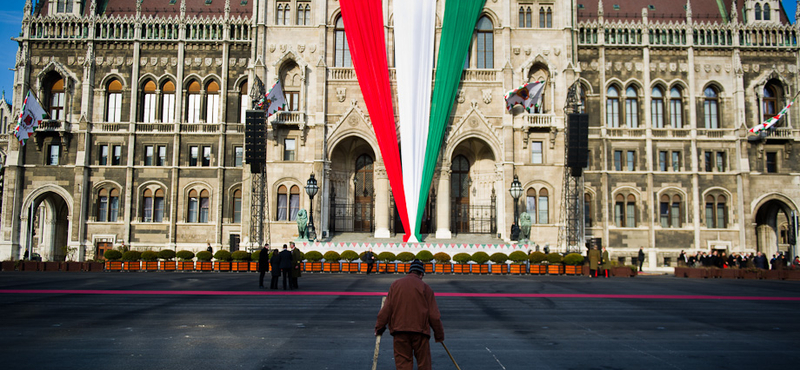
(378,294)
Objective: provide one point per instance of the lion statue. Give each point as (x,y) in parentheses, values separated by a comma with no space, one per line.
(524,226)
(302,221)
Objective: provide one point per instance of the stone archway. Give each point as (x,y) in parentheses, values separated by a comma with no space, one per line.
(46,227)
(353,186)
(772,224)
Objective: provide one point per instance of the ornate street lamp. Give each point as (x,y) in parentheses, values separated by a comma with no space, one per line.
(311,190)
(516,192)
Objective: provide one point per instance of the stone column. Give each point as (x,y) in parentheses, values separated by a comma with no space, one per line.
(443,203)
(382,190)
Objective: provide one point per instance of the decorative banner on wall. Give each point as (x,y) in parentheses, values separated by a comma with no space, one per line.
(415,26)
(460,17)
(363,22)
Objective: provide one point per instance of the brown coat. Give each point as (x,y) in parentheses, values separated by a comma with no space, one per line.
(411,307)
(594,258)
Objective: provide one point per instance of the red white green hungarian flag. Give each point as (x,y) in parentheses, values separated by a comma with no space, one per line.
(770,122)
(29,118)
(528,95)
(423,114)
(274,101)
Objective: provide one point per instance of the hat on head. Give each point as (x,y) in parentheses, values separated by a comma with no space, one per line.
(417,266)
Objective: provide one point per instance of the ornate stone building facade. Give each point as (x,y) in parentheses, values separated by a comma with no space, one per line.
(147,99)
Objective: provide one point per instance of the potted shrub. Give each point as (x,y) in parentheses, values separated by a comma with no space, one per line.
(405,259)
(313,263)
(131,260)
(518,259)
(254,261)
(113,258)
(537,260)
(149,261)
(573,264)
(480,259)
(443,264)
(386,262)
(499,263)
(167,256)
(241,261)
(223,262)
(462,263)
(69,264)
(349,256)
(554,266)
(204,261)
(426,257)
(331,262)
(185,260)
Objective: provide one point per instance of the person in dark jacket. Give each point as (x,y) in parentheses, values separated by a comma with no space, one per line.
(641,258)
(297,266)
(263,264)
(410,311)
(595,259)
(369,258)
(286,265)
(275,264)
(760,261)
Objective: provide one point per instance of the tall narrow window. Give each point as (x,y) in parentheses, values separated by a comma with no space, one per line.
(102,205)
(588,214)
(147,206)
(542,18)
(675,211)
(103,160)
(148,155)
(657,108)
(630,211)
(303,14)
(57,100)
(292,101)
(283,203)
(288,149)
(720,161)
(631,160)
(536,152)
(212,102)
(711,108)
(294,203)
(485,43)
(114,101)
(549,16)
(530,203)
(708,158)
(676,161)
(631,107)
(612,107)
(162,156)
(676,108)
(149,102)
(206,156)
(722,212)
(284,14)
(664,211)
(619,210)
(237,206)
(543,207)
(238,154)
(525,16)
(194,103)
(113,205)
(766,12)
(158,201)
(617,160)
(770,102)
(244,102)
(771,162)
(662,161)
(205,204)
(116,155)
(194,155)
(758,11)
(342,49)
(54,152)
(168,102)
(192,207)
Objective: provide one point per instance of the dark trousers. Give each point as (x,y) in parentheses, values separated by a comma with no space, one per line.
(274,283)
(407,346)
(287,273)
(293,282)
(641,262)
(369,267)
(261,279)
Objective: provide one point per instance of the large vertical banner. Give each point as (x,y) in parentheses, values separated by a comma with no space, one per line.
(460,17)
(414,29)
(363,23)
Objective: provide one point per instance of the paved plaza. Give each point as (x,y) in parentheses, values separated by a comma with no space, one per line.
(176,320)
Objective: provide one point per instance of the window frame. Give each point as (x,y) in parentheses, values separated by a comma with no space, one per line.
(484,43)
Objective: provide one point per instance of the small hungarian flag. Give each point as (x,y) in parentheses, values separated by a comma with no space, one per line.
(29,118)
(766,125)
(273,101)
(529,95)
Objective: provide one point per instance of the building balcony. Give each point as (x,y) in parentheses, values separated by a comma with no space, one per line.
(155,127)
(672,133)
(289,118)
(783,133)
(535,120)
(716,133)
(53,126)
(625,132)
(200,128)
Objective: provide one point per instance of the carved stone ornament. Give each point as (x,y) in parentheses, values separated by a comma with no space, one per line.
(154,61)
(528,50)
(352,121)
(628,66)
(781,68)
(163,61)
(595,65)
(487,96)
(35,60)
(271,48)
(639,67)
(546,52)
(653,67)
(473,122)
(143,61)
(243,62)
(618,66)
(792,68)
(284,47)
(98,61)
(756,67)
(173,61)
(70,60)
(232,62)
(516,50)
(673,67)
(218,61)
(461,98)
(198,62)
(746,67)
(684,67)
(119,60)
(707,68)
(341,94)
(45,60)
(207,62)
(557,51)
(727,68)
(609,65)
(301,48)
(129,61)
(662,67)
(312,48)
(717,68)
(81,59)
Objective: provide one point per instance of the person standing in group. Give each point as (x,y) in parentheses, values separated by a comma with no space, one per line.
(369,258)
(682,259)
(641,258)
(297,266)
(263,264)
(760,261)
(275,264)
(209,249)
(594,261)
(410,311)
(286,265)
(606,262)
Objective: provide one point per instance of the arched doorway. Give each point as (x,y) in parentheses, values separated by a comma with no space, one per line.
(364,193)
(46,227)
(473,200)
(773,224)
(459,191)
(352,187)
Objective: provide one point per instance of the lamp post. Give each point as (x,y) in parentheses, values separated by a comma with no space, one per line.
(516,192)
(311,190)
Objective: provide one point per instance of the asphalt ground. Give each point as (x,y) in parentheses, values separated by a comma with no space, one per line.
(173,320)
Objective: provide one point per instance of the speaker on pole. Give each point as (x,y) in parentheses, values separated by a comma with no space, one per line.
(577,142)
(255,140)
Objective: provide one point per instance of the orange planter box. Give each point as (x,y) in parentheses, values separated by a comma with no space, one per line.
(428,268)
(241,266)
(403,267)
(114,266)
(516,269)
(185,265)
(573,270)
(480,269)
(444,268)
(331,267)
(254,266)
(132,266)
(555,269)
(222,266)
(150,265)
(349,266)
(499,268)
(312,266)
(461,269)
(168,265)
(391,267)
(204,266)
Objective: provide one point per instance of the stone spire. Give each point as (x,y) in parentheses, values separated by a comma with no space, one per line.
(797,12)
(600,11)
(28,8)
(688,12)
(93,8)
(183,9)
(734,13)
(138,8)
(227,9)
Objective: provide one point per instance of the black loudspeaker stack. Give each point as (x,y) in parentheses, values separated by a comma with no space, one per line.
(577,142)
(255,140)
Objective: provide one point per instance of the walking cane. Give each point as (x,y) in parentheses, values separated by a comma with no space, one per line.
(451,356)
(377,344)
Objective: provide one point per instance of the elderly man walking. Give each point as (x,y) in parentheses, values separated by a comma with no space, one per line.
(410,311)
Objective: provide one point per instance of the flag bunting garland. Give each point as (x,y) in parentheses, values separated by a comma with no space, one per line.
(770,122)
